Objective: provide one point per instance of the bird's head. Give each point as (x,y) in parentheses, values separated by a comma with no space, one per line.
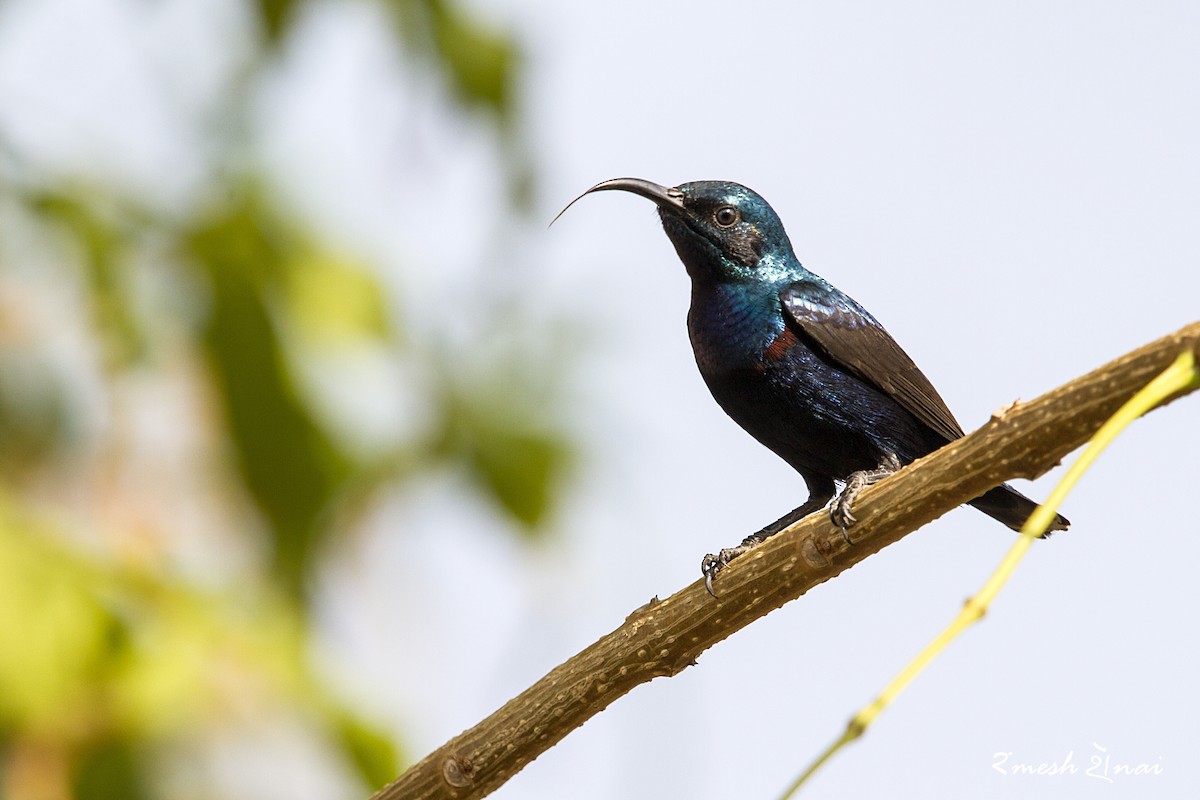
(722,231)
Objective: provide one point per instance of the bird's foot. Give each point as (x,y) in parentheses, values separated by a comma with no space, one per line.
(840,509)
(711,566)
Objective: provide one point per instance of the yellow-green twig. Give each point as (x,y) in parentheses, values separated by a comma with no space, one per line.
(1181,374)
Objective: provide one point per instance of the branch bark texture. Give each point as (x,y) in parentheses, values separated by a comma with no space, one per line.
(664,637)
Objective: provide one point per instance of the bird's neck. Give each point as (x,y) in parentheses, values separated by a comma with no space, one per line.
(731,324)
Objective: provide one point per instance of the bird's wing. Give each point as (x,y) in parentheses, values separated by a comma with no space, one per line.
(855,341)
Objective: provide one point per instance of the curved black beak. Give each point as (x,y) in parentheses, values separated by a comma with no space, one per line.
(662,196)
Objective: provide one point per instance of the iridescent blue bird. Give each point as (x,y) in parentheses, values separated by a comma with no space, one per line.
(800,365)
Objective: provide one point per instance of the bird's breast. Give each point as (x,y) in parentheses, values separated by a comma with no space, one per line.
(732,330)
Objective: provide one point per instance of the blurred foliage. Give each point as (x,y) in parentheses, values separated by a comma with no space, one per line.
(34,418)
(113,662)
(275,14)
(110,770)
(507,453)
(290,464)
(101,242)
(480,61)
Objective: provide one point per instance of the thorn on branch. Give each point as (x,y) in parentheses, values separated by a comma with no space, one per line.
(1000,413)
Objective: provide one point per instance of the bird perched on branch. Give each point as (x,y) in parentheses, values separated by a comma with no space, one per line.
(800,365)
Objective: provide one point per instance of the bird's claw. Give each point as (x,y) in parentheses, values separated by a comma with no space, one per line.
(839,510)
(710,565)
(840,514)
(843,520)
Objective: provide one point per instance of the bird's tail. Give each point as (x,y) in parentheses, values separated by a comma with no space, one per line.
(1009,506)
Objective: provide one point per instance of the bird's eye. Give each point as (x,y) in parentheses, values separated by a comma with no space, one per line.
(726,216)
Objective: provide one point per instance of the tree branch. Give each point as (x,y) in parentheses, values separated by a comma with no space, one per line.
(664,637)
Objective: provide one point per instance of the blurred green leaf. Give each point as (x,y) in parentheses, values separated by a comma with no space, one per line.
(292,467)
(370,751)
(335,299)
(54,634)
(480,62)
(275,15)
(34,415)
(518,461)
(103,245)
(519,469)
(111,770)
